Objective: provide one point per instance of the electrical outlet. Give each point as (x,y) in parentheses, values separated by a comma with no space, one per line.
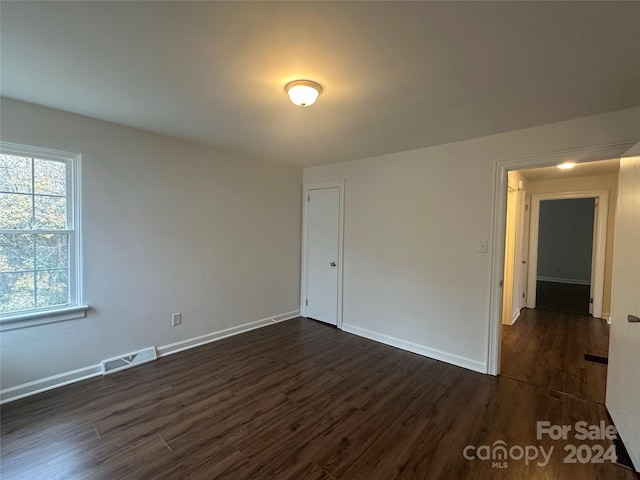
(176,319)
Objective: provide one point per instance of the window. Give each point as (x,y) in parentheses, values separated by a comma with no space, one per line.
(39,233)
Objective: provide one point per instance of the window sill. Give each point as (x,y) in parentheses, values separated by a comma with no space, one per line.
(33,319)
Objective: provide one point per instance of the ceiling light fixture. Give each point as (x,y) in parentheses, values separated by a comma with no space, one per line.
(566,165)
(303,92)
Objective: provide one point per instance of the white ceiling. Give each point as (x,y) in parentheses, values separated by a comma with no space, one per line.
(396,75)
(587,169)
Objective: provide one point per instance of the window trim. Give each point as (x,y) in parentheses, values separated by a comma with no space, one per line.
(75,308)
(43,317)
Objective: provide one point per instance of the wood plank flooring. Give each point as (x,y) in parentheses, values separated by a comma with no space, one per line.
(547,349)
(296,400)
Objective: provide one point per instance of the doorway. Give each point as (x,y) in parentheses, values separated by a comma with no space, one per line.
(322,247)
(565,251)
(555,342)
(584,157)
(573,248)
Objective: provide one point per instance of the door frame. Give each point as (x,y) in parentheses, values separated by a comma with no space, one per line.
(597,252)
(500,179)
(510,255)
(524,251)
(306,189)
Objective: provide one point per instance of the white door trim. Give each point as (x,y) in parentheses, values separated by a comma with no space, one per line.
(501,167)
(599,244)
(307,187)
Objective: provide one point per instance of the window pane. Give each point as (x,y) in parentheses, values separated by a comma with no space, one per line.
(50,212)
(15,211)
(16,252)
(15,174)
(36,248)
(16,292)
(52,250)
(49,177)
(53,288)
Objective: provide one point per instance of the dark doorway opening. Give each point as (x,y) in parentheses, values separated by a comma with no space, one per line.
(565,251)
(563,297)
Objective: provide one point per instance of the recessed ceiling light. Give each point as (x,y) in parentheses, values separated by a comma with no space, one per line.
(566,165)
(303,92)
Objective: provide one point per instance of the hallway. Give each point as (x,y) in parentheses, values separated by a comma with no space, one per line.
(548,349)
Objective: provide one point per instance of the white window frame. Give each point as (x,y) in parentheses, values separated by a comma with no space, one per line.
(75,308)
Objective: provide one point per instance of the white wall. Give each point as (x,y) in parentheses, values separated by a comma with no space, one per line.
(623,386)
(414,222)
(168,226)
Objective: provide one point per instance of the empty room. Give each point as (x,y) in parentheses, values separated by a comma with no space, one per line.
(319,240)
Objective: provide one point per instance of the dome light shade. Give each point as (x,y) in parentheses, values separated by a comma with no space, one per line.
(303,92)
(566,165)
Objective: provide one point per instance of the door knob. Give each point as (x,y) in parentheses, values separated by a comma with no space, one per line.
(333,264)
(633,319)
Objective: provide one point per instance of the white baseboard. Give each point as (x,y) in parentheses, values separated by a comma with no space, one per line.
(415,348)
(572,281)
(48,383)
(513,319)
(220,334)
(59,380)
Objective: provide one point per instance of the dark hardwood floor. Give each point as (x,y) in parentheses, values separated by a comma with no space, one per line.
(547,349)
(296,400)
(563,297)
